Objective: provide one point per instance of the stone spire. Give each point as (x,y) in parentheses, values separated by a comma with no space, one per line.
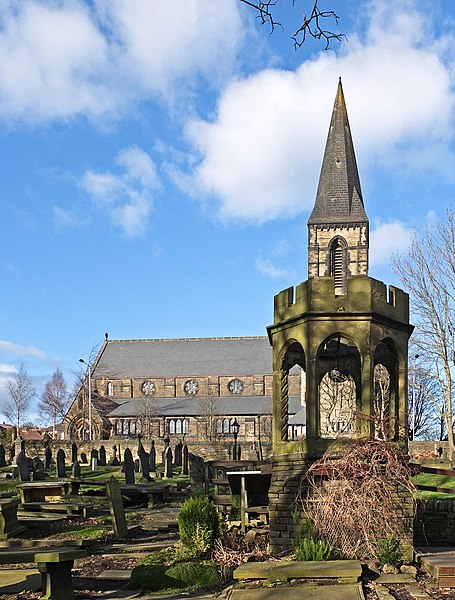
(338,224)
(339,196)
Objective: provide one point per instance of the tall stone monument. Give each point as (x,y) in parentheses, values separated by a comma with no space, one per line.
(342,328)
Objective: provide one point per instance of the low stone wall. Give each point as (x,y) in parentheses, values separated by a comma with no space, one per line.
(428,450)
(434,523)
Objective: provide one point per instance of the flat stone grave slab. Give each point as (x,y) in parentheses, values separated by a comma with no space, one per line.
(117,574)
(14,581)
(439,562)
(150,547)
(308,592)
(299,570)
(392,578)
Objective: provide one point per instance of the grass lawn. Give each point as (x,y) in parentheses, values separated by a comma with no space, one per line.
(440,481)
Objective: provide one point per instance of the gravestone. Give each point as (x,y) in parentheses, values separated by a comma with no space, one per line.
(84,460)
(11,454)
(94,454)
(61,470)
(128,467)
(168,464)
(23,466)
(114,462)
(73,452)
(152,457)
(114,495)
(102,456)
(38,473)
(47,457)
(76,470)
(197,478)
(137,466)
(178,455)
(2,456)
(144,462)
(185,461)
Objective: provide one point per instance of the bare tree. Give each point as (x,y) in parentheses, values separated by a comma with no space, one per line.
(55,399)
(427,272)
(337,401)
(146,413)
(308,26)
(21,392)
(208,414)
(424,404)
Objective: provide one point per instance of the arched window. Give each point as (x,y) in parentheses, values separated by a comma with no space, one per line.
(219,425)
(139,427)
(338,265)
(226,426)
(125,427)
(119,427)
(110,388)
(172,426)
(133,427)
(178,426)
(185,426)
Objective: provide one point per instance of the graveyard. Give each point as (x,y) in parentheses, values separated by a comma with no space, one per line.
(73,528)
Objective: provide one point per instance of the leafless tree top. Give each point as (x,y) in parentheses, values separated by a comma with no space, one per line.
(309,26)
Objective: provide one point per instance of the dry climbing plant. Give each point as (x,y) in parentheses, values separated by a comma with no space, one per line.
(351,496)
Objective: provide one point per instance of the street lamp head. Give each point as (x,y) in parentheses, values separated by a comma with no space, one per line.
(235,427)
(82,360)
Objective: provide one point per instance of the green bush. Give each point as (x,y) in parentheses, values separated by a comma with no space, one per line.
(234,511)
(184,576)
(199,524)
(389,551)
(311,549)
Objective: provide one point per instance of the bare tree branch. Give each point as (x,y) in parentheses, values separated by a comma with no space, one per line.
(311,26)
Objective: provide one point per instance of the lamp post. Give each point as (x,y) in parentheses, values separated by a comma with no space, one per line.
(414,398)
(235,427)
(89,368)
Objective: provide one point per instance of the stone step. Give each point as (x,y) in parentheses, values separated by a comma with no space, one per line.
(299,592)
(346,569)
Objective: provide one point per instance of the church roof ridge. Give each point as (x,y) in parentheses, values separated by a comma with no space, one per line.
(339,195)
(190,339)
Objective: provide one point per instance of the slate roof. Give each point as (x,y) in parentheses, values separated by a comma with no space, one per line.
(189,407)
(196,357)
(339,196)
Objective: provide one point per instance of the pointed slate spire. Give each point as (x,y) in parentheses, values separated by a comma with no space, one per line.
(339,196)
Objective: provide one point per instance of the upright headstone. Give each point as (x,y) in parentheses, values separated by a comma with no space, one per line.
(73,452)
(61,470)
(11,454)
(114,462)
(137,466)
(178,455)
(185,461)
(116,508)
(102,456)
(47,457)
(2,456)
(152,457)
(168,464)
(23,466)
(76,470)
(128,467)
(93,459)
(38,469)
(144,462)
(197,468)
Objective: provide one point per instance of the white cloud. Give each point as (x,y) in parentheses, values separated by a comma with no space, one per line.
(268,268)
(126,196)
(259,158)
(67,58)
(387,239)
(20,349)
(64,218)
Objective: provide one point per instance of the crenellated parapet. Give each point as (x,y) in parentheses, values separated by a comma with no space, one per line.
(365,295)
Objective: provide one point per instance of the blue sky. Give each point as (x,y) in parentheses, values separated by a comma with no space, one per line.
(160,159)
